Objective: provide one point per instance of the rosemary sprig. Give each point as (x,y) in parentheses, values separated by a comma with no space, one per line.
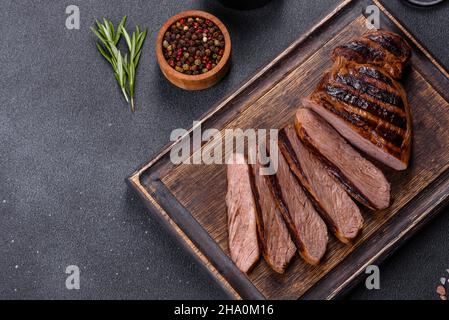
(134,43)
(109,39)
(124,66)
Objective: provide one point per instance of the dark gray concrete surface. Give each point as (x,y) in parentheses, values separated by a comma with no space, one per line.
(67,142)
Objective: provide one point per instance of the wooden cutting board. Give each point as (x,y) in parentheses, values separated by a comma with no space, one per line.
(190,199)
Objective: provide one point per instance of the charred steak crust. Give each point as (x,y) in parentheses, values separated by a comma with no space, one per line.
(351,97)
(363,125)
(361,85)
(374,74)
(369,101)
(391,42)
(380,48)
(389,124)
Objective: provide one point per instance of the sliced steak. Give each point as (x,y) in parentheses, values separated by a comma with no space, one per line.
(278,248)
(329,197)
(368,108)
(380,48)
(361,179)
(242,215)
(307,229)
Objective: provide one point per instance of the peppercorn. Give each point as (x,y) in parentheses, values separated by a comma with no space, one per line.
(193,45)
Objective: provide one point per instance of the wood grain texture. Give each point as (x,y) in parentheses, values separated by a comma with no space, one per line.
(269,101)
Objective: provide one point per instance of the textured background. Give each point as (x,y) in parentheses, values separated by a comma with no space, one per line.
(67,141)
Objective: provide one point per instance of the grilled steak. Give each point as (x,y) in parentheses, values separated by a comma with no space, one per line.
(307,229)
(278,248)
(329,197)
(361,179)
(242,215)
(380,48)
(367,107)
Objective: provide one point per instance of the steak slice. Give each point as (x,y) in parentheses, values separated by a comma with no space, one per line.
(368,108)
(380,48)
(361,179)
(329,197)
(278,248)
(242,215)
(307,229)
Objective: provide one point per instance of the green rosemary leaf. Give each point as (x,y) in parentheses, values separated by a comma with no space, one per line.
(137,58)
(103,53)
(133,45)
(127,38)
(119,30)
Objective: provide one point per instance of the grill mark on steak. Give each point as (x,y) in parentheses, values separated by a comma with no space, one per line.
(375,92)
(350,97)
(369,128)
(392,43)
(375,74)
(388,95)
(360,51)
(377,48)
(384,130)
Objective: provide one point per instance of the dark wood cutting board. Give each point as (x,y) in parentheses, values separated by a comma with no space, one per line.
(190,199)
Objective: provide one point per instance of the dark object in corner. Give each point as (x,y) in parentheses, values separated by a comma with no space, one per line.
(244,4)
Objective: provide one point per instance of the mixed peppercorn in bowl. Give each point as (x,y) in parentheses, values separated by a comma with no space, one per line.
(193,50)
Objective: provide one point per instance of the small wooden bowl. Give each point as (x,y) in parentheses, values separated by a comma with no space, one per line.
(200,81)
